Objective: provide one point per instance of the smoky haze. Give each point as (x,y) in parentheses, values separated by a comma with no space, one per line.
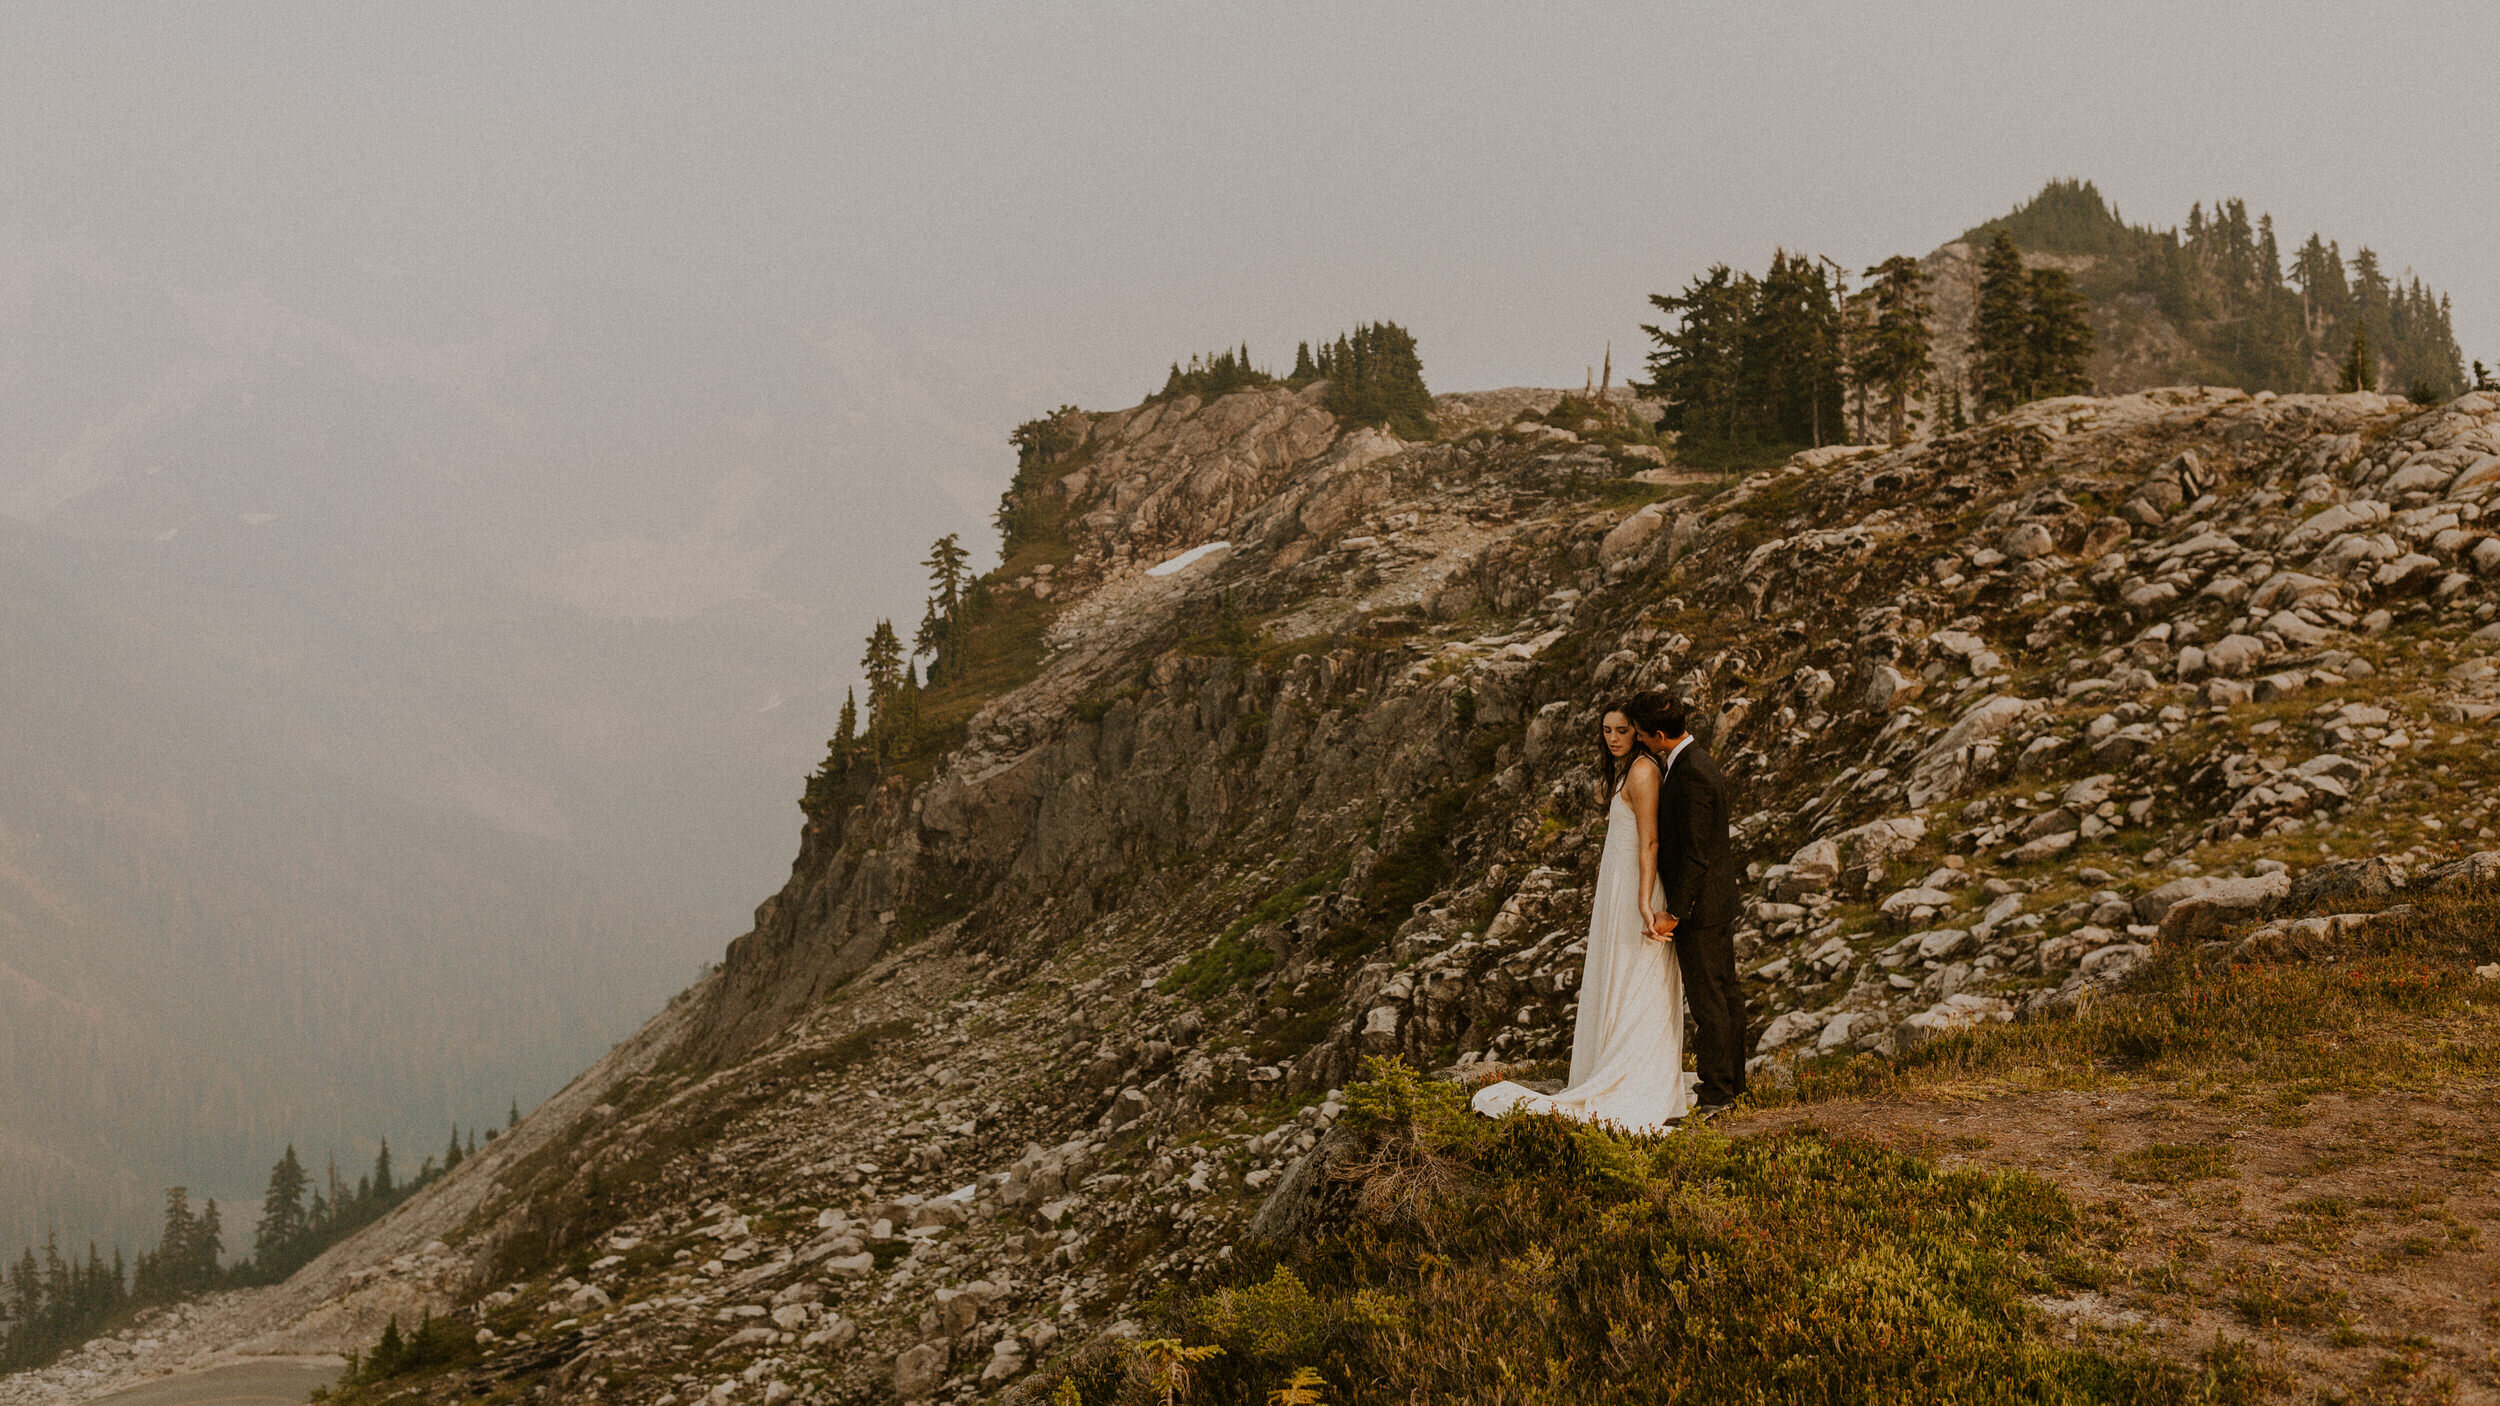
(449,454)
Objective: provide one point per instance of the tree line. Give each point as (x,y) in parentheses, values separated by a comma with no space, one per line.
(1794,357)
(1750,365)
(889,728)
(1374,373)
(52,1303)
(2252,317)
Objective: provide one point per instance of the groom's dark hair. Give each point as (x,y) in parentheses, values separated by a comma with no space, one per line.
(1652,711)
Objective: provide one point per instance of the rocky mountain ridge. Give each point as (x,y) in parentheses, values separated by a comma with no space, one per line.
(1066,1019)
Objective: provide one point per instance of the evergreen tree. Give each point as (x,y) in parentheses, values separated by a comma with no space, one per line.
(1857,354)
(846,733)
(1894,361)
(2369,290)
(451,1154)
(177,1245)
(26,1288)
(513,1119)
(941,624)
(1376,377)
(910,711)
(1305,370)
(209,1247)
(382,1183)
(2319,270)
(2360,365)
(2058,334)
(1697,364)
(1044,441)
(1791,354)
(384,1360)
(883,664)
(283,1229)
(2000,340)
(947,573)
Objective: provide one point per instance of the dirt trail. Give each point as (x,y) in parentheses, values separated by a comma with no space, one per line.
(2349,1237)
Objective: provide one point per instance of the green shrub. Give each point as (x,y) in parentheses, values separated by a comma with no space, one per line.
(1228,961)
(1283,1323)
(1545,1260)
(1220,966)
(436,1344)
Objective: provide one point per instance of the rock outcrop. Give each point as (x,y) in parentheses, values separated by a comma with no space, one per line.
(1027,1035)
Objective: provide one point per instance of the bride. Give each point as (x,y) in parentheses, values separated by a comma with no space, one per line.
(1627,1055)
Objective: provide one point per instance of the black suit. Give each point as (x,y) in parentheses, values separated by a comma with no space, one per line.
(1698,869)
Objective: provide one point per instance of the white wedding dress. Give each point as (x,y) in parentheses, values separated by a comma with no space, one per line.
(1627,1054)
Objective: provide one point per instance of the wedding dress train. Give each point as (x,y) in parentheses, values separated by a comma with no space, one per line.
(1627,1052)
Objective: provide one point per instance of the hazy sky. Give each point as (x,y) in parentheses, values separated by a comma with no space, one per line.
(1090,190)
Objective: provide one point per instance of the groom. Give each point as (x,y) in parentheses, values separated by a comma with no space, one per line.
(1698,869)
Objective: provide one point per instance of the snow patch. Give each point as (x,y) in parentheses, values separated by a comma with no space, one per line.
(1188,559)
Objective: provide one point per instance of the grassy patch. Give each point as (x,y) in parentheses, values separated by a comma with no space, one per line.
(1627,493)
(2175,1163)
(2278,1296)
(1218,967)
(1731,457)
(1539,1260)
(1228,961)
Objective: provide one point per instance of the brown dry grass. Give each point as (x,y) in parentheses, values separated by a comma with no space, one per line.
(2303,1156)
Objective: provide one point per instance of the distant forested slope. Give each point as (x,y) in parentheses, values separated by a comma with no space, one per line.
(2223,299)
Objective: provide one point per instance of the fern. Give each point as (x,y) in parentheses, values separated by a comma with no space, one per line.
(1306,1387)
(1166,1369)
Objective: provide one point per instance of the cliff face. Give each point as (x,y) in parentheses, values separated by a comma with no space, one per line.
(1026,1037)
(1146,739)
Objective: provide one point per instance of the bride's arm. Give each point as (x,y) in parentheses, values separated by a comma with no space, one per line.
(1640,791)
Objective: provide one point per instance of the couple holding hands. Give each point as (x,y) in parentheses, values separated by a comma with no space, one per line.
(1661,937)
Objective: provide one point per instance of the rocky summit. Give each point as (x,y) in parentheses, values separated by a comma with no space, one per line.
(1060,1019)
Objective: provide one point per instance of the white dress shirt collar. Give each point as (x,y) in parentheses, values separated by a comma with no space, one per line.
(1673,752)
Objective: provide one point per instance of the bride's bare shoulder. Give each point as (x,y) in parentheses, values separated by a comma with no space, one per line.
(1641,778)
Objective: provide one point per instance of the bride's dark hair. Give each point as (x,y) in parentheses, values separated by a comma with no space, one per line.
(1611,770)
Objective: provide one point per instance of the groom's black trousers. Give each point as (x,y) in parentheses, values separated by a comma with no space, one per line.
(1707,956)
